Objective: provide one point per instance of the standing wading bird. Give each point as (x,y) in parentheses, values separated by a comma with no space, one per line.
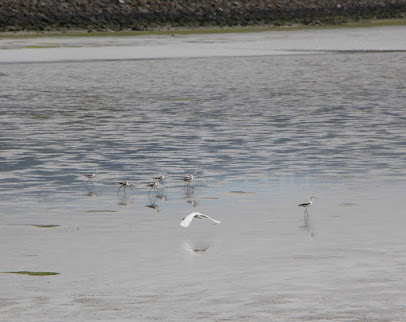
(153,185)
(124,184)
(307,204)
(188,179)
(161,179)
(90,176)
(188,219)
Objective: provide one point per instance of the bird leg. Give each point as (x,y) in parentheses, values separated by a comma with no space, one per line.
(306,214)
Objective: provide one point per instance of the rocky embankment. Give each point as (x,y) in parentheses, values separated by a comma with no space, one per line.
(149,14)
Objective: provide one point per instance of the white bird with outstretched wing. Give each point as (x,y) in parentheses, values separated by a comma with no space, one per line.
(188,219)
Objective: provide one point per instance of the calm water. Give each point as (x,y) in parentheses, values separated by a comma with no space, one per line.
(266,120)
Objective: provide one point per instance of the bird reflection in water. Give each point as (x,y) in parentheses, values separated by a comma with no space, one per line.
(153,201)
(307,225)
(196,248)
(123,200)
(90,192)
(191,199)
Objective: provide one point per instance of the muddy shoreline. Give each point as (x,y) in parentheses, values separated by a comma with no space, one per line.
(143,15)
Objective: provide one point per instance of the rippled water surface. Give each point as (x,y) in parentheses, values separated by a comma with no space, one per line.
(267,121)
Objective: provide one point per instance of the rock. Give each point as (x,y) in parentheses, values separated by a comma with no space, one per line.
(130,14)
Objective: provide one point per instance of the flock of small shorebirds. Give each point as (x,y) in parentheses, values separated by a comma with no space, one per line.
(187,179)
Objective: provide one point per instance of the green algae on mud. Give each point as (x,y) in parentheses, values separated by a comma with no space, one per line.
(44,226)
(40,46)
(39,116)
(199,30)
(179,99)
(107,210)
(29,273)
(241,192)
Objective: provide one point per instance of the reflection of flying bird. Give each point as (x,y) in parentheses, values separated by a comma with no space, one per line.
(188,219)
(307,204)
(195,249)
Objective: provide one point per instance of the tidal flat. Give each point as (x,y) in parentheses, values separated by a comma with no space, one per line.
(267,120)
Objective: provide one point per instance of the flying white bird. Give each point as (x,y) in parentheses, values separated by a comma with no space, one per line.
(196,249)
(188,219)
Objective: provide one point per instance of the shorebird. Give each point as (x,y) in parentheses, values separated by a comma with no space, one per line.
(188,219)
(90,176)
(307,204)
(153,185)
(189,178)
(124,184)
(161,178)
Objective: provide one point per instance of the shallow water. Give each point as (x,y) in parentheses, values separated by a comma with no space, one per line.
(266,119)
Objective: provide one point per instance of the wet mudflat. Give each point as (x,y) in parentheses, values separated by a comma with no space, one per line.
(265,127)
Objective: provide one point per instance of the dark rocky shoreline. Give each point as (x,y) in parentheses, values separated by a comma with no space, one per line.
(45,15)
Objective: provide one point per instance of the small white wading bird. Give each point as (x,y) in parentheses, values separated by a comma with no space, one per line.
(189,178)
(153,185)
(307,204)
(162,178)
(124,184)
(188,219)
(90,176)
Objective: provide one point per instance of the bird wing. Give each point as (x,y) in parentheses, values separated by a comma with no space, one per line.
(207,217)
(305,204)
(188,219)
